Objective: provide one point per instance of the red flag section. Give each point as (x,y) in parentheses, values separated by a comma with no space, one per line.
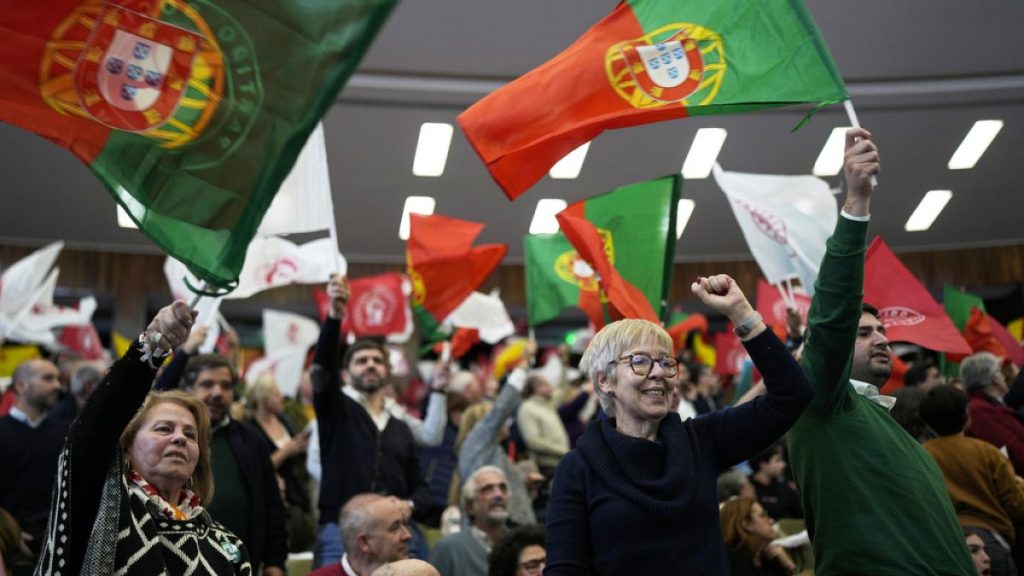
(624,299)
(83,341)
(377,306)
(444,266)
(985,334)
(772,307)
(680,330)
(907,310)
(729,353)
(895,381)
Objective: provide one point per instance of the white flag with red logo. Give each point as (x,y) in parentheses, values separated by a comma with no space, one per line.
(271,262)
(785,221)
(39,316)
(379,306)
(21,286)
(287,338)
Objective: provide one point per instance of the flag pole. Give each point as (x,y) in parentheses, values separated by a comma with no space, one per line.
(852,114)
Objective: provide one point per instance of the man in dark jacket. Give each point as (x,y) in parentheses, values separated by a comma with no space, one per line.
(247,500)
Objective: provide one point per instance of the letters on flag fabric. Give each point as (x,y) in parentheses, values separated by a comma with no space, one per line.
(648,61)
(785,221)
(772,307)
(190,112)
(906,309)
(637,228)
(444,266)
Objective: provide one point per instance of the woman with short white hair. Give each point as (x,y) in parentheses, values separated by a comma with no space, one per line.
(638,494)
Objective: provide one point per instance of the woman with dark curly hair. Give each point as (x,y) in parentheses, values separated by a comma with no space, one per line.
(747,531)
(520,552)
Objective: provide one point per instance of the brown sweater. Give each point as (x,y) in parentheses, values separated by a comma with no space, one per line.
(981,483)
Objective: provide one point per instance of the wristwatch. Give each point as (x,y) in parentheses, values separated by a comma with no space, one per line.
(748,324)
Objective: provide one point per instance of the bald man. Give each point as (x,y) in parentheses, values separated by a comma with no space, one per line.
(409,567)
(374,529)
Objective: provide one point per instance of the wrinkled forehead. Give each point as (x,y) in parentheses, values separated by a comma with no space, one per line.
(171,412)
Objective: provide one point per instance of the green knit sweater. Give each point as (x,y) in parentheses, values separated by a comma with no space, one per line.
(874,500)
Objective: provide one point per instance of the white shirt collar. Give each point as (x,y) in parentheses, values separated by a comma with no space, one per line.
(346,566)
(381,419)
(870,391)
(24,419)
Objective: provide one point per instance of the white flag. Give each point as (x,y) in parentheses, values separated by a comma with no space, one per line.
(40,316)
(21,282)
(486,313)
(208,307)
(303,203)
(285,366)
(271,262)
(286,330)
(785,220)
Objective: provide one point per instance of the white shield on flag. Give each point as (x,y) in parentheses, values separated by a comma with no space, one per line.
(133,70)
(666,63)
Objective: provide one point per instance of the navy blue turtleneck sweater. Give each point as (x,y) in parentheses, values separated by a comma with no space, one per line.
(624,505)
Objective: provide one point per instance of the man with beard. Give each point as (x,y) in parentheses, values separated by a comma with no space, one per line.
(485,501)
(362,448)
(247,501)
(30,443)
(874,500)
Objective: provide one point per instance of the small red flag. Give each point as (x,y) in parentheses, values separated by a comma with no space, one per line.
(907,310)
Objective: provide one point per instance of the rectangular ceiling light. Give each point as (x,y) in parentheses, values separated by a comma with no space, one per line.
(703,152)
(124,220)
(569,167)
(414,205)
(683,212)
(830,160)
(975,144)
(544,221)
(928,210)
(432,149)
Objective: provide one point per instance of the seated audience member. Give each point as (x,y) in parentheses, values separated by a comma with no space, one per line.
(248,498)
(976,546)
(135,476)
(375,531)
(748,532)
(980,480)
(486,507)
(287,447)
(520,552)
(84,379)
(735,484)
(30,444)
(408,567)
(991,419)
(774,493)
(638,494)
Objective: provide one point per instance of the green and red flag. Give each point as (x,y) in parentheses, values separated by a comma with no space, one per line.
(445,267)
(981,331)
(681,324)
(636,224)
(191,112)
(648,61)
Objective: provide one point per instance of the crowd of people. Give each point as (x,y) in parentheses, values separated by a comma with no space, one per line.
(632,460)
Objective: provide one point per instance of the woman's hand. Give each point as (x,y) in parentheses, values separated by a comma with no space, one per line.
(170,327)
(723,295)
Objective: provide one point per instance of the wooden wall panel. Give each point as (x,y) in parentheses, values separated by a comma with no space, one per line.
(131,279)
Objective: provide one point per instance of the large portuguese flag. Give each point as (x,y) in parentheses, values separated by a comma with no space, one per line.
(648,61)
(191,112)
(636,224)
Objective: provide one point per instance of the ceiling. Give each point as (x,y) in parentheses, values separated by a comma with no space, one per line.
(919,71)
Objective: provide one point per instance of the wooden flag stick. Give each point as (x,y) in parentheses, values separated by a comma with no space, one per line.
(848,105)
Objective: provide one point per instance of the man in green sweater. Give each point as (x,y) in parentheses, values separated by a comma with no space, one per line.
(874,500)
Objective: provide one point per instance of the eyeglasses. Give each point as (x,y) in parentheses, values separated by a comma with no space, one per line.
(642,364)
(533,566)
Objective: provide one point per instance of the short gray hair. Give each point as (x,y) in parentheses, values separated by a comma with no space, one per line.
(469,486)
(84,375)
(976,371)
(610,342)
(356,518)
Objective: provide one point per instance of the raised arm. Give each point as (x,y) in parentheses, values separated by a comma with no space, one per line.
(92,443)
(836,307)
(324,373)
(484,435)
(740,432)
(430,430)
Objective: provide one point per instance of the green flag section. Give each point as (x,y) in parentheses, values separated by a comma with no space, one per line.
(191,112)
(981,331)
(649,61)
(637,227)
(958,305)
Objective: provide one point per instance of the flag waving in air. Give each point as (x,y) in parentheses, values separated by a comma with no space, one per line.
(636,224)
(444,266)
(648,61)
(905,307)
(191,112)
